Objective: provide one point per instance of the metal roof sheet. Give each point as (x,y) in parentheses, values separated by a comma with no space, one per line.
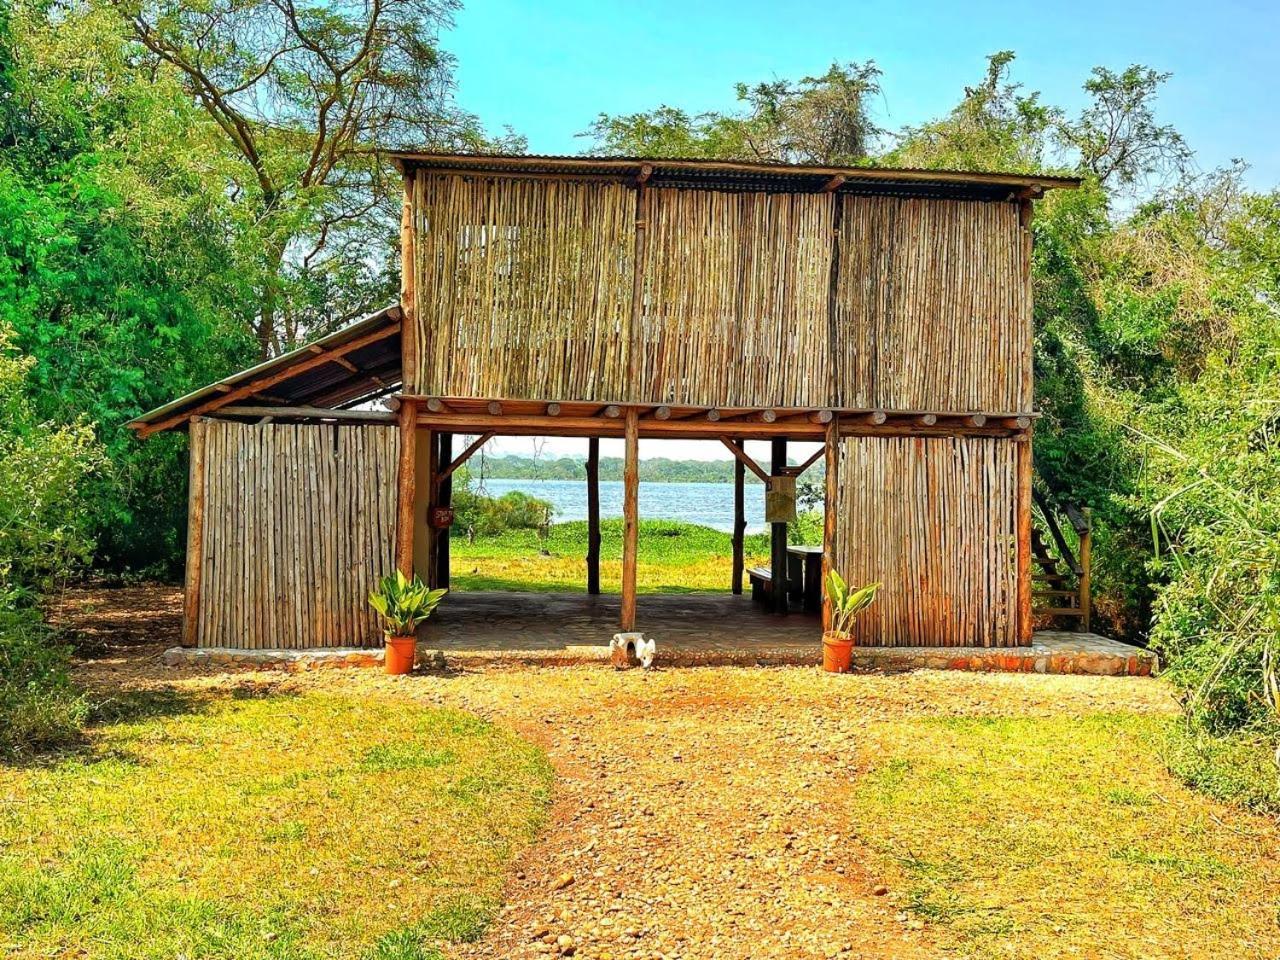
(753,175)
(328,384)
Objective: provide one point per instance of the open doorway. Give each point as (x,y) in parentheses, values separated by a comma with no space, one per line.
(526,573)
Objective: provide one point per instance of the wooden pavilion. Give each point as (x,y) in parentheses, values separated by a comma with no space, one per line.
(883,313)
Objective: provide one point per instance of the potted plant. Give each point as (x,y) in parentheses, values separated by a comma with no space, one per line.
(837,643)
(403,604)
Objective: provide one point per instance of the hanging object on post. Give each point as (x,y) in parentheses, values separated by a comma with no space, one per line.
(780,500)
(439,518)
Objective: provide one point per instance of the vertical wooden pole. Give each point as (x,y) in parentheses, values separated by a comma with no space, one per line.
(1023,507)
(778,535)
(630,518)
(406,485)
(1086,571)
(1026,211)
(196,485)
(739,518)
(444,498)
(423,535)
(633,320)
(829,516)
(408,293)
(593,515)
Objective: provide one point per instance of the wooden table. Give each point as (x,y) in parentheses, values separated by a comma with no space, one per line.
(806,580)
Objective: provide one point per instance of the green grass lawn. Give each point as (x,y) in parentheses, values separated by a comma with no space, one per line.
(1032,836)
(674,557)
(308,826)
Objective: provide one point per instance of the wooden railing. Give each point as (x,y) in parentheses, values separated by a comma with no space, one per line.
(1062,587)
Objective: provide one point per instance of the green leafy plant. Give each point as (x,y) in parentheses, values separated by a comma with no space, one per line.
(847,604)
(403,603)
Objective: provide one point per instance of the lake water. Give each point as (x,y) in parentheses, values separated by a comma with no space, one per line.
(710,504)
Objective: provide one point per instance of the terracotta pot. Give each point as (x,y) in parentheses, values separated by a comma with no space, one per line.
(837,652)
(400,654)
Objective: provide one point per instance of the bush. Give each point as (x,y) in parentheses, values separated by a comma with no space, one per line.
(484,516)
(39,709)
(1238,768)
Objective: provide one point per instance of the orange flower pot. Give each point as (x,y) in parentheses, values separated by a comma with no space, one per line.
(400,654)
(837,652)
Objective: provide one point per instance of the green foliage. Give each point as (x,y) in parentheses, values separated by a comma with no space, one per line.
(480,515)
(1240,768)
(39,709)
(823,119)
(846,604)
(43,470)
(403,603)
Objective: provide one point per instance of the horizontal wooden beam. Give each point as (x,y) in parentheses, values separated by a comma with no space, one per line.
(259,384)
(794,428)
(304,413)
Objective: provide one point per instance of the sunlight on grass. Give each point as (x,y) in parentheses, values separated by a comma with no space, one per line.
(299,827)
(674,557)
(1023,837)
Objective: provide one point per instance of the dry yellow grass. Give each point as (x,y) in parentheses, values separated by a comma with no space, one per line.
(267,825)
(1011,816)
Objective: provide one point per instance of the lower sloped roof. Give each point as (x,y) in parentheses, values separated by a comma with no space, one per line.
(350,365)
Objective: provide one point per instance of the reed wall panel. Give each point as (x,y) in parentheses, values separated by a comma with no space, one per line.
(524,290)
(523,287)
(933,306)
(735,299)
(933,520)
(299,525)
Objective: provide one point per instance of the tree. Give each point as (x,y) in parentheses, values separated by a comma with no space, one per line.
(301,94)
(1116,137)
(996,126)
(822,120)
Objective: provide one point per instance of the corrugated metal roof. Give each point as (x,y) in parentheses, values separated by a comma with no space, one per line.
(328,384)
(758,175)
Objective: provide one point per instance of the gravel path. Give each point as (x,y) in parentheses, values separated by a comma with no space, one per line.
(699,813)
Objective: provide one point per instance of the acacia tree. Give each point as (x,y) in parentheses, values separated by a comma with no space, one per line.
(302,93)
(824,119)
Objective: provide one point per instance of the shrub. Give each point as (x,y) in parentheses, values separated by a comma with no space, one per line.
(39,709)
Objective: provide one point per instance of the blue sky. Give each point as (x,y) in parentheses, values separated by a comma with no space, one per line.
(548,68)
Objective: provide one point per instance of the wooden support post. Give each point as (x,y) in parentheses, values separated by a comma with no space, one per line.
(196,486)
(829,517)
(424,466)
(408,291)
(1023,506)
(778,535)
(406,485)
(630,518)
(593,515)
(739,517)
(1086,570)
(443,498)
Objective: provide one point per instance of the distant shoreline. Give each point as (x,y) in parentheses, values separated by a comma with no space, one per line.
(652,470)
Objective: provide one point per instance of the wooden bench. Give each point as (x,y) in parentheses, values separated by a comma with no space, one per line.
(761,583)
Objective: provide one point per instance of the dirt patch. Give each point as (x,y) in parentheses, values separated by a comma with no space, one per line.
(700,813)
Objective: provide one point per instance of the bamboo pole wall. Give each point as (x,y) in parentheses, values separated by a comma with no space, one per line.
(525,289)
(934,520)
(735,299)
(933,306)
(300,525)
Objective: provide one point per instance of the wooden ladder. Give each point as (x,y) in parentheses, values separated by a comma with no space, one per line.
(1061,585)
